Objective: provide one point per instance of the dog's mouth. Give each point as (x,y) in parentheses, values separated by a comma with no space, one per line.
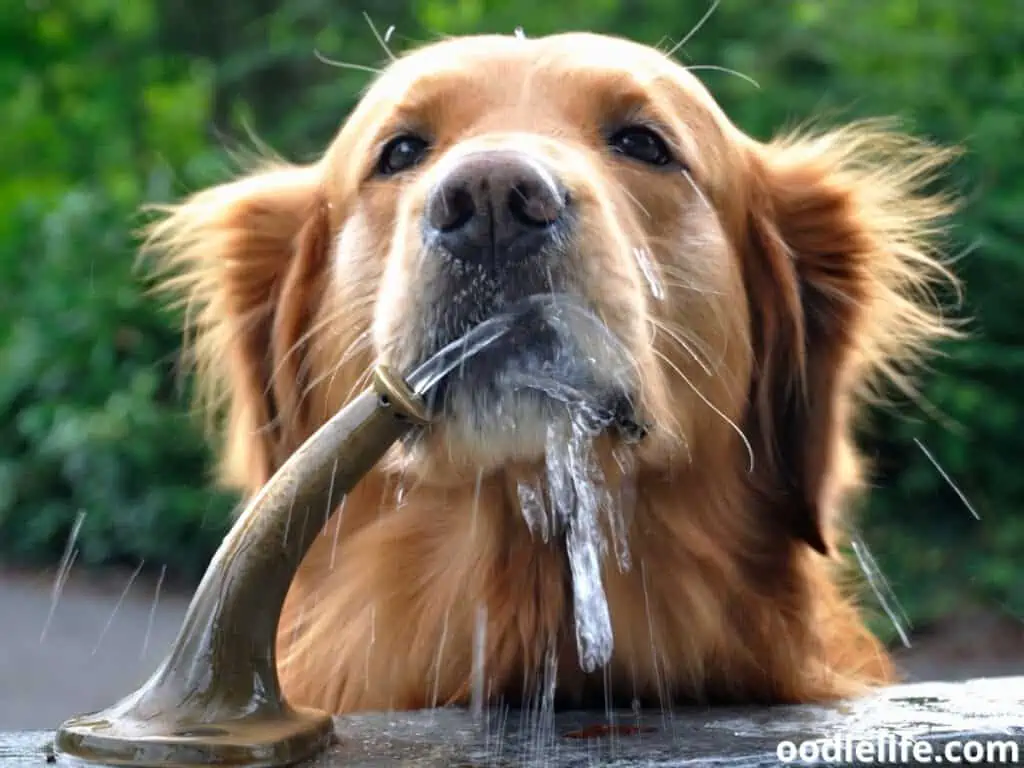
(545,357)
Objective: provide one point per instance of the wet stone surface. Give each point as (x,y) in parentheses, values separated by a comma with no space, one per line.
(987,712)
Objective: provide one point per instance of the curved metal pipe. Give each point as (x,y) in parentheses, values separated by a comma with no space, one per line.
(216,698)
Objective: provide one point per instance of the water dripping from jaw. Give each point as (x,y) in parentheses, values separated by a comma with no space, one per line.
(531,504)
(577,488)
(586,548)
(578,492)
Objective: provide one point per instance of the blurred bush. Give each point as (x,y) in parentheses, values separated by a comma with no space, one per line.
(110,104)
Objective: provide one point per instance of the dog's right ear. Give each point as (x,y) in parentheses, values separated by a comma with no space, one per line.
(844,234)
(243,258)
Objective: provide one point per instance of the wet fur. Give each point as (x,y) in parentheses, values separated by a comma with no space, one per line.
(822,244)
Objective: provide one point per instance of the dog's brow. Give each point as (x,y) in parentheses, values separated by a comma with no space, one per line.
(417,95)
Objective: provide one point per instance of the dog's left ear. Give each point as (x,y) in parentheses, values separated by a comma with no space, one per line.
(247,258)
(840,268)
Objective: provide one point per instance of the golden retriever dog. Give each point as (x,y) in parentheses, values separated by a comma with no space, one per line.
(763,290)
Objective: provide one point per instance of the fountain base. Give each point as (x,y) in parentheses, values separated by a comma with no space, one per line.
(282,738)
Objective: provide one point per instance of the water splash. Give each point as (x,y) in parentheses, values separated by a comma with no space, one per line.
(538,715)
(531,505)
(423,380)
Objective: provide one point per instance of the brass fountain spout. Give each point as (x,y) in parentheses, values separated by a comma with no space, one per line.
(216,698)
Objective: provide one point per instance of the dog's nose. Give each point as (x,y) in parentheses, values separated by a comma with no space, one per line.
(501,205)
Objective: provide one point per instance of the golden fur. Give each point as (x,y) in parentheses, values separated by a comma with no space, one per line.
(796,275)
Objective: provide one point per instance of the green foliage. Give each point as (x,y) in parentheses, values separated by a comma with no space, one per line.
(92,421)
(111,104)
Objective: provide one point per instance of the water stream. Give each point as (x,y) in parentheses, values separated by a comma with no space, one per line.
(576,489)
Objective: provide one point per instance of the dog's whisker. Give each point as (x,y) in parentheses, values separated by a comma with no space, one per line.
(345,64)
(700,193)
(358,346)
(298,278)
(732,424)
(328,322)
(354,348)
(321,332)
(381,40)
(678,337)
(948,479)
(691,287)
(726,70)
(633,198)
(696,28)
(643,260)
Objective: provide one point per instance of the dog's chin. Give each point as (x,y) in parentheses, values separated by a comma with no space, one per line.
(486,428)
(501,406)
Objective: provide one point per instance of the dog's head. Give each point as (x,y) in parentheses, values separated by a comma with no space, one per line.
(745,293)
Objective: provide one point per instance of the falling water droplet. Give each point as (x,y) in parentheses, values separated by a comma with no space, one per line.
(476,501)
(520,33)
(152,611)
(479,658)
(880,586)
(117,606)
(63,570)
(388,33)
(337,530)
(369,645)
(438,659)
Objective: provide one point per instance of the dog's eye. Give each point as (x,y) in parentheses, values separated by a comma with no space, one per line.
(401,153)
(640,143)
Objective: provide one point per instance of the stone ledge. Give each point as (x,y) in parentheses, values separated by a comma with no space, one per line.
(989,711)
